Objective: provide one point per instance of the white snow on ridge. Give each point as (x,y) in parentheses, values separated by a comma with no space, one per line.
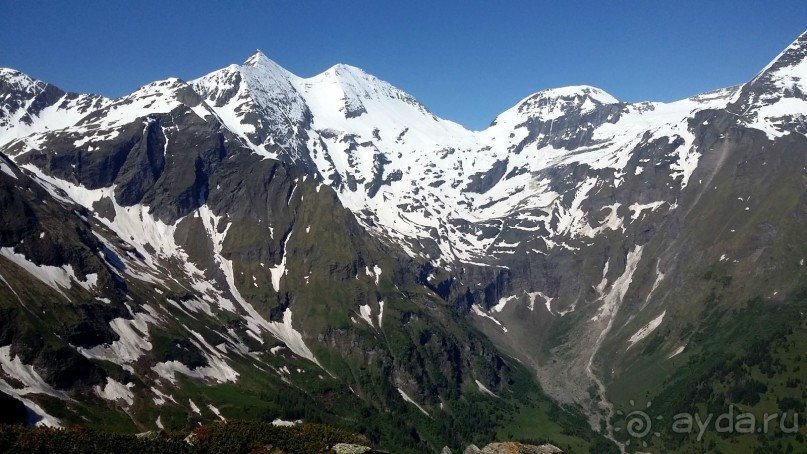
(636,209)
(502,302)
(31,380)
(553,103)
(615,295)
(409,399)
(260,85)
(161,398)
(6,168)
(32,384)
(279,270)
(380,313)
(115,390)
(291,337)
(646,330)
(57,278)
(284,423)
(216,412)
(366,314)
(133,342)
(476,309)
(767,117)
(547,301)
(217,368)
(44,419)
(4,281)
(377,273)
(283,331)
(62,113)
(156,97)
(676,352)
(353,120)
(787,76)
(484,389)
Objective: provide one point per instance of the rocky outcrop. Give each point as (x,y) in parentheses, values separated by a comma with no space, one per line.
(512,448)
(518,448)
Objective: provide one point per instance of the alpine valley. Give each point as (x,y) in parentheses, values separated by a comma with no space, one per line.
(257,245)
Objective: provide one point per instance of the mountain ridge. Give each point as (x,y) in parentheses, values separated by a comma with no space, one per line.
(574,233)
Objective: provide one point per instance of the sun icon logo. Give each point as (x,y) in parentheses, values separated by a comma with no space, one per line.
(638,423)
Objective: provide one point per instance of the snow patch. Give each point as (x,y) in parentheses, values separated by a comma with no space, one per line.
(57,278)
(636,209)
(366,314)
(115,390)
(484,389)
(380,312)
(279,270)
(547,301)
(646,330)
(216,412)
(502,302)
(284,423)
(133,342)
(26,374)
(217,369)
(6,168)
(409,399)
(161,398)
(677,352)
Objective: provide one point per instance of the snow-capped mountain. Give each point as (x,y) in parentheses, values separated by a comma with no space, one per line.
(438,190)
(336,219)
(28,106)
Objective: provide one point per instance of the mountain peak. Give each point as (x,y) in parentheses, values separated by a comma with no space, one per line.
(17,79)
(787,70)
(168,85)
(554,103)
(257,58)
(342,68)
(576,91)
(4,72)
(263,67)
(347,74)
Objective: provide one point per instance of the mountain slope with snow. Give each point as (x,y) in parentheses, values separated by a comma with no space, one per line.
(28,106)
(164,259)
(336,219)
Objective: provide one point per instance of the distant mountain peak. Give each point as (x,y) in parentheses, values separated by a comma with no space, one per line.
(256,58)
(17,79)
(547,102)
(343,68)
(578,91)
(787,71)
(553,103)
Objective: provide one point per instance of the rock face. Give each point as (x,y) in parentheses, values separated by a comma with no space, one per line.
(518,448)
(335,235)
(512,448)
(346,448)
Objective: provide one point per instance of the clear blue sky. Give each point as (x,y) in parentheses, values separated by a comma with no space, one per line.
(466,60)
